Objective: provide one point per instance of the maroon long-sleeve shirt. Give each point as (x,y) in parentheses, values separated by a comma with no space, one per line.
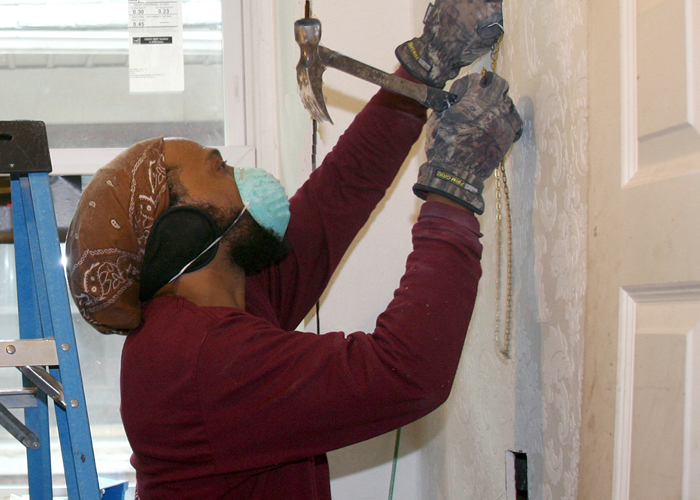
(223,403)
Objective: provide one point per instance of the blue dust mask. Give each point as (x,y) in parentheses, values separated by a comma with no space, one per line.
(268,203)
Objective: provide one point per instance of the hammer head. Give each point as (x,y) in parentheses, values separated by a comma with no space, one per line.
(310,69)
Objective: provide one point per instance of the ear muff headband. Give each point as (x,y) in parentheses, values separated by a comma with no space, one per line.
(179,235)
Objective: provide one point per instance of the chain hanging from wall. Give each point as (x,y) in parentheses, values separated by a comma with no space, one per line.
(503,340)
(314,147)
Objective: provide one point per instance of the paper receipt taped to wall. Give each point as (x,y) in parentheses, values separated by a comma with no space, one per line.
(156,58)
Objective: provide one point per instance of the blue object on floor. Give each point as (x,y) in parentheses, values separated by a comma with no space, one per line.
(113,489)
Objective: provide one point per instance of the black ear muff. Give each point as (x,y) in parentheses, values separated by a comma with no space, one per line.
(179,235)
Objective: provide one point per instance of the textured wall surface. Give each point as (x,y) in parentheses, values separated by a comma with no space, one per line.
(530,403)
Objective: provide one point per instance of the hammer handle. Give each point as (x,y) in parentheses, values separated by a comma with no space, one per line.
(433,98)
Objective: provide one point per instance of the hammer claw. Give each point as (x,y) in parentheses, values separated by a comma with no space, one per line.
(312,97)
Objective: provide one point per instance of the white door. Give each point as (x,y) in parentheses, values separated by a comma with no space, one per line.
(640,433)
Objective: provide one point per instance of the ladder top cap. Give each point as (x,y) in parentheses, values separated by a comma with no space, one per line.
(24,147)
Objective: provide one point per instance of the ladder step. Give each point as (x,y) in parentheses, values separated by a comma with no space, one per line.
(19,398)
(28,352)
(24,147)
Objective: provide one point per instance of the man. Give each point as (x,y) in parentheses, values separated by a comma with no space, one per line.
(221,398)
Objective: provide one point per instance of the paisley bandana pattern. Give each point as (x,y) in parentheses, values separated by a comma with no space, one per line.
(107,237)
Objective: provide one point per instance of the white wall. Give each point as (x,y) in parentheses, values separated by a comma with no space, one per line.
(530,403)
(369,31)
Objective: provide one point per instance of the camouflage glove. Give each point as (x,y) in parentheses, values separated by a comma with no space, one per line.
(456,33)
(466,142)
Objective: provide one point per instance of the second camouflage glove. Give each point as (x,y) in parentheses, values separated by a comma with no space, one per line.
(466,142)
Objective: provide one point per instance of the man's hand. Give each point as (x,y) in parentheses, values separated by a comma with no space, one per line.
(466,142)
(456,33)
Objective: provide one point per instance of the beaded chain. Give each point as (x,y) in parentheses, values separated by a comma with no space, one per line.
(503,211)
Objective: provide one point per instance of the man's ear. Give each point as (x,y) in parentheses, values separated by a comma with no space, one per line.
(179,235)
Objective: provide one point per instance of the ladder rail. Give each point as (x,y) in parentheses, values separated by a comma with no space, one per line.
(54,311)
(37,419)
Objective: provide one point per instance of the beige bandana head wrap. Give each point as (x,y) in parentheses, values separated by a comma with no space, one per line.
(107,237)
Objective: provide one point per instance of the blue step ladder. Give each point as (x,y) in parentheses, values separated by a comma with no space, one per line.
(46,352)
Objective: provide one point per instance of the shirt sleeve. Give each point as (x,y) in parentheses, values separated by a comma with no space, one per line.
(336,201)
(282,396)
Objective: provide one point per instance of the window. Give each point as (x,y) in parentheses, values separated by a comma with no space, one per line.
(67,63)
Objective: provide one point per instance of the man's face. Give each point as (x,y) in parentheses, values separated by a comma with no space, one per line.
(210,185)
(203,174)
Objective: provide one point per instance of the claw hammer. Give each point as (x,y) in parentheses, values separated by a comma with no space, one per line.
(315,59)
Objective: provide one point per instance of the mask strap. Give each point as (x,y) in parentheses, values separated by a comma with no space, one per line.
(217,240)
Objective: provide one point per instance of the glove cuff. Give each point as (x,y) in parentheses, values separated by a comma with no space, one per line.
(413,56)
(462,188)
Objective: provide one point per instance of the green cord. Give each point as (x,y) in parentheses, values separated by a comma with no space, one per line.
(393,467)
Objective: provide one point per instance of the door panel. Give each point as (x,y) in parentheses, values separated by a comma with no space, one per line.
(667,47)
(641,390)
(659,436)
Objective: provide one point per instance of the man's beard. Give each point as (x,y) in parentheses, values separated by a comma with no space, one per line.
(252,247)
